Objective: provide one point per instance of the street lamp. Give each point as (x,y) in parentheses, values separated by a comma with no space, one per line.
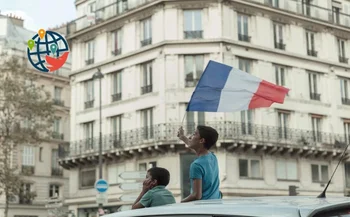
(99,75)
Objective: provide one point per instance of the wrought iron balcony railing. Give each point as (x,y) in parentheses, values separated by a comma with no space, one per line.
(28,170)
(89,104)
(193,34)
(343,59)
(58,102)
(312,53)
(57,135)
(56,171)
(117,52)
(145,42)
(228,132)
(245,38)
(116,97)
(315,96)
(345,101)
(89,61)
(146,89)
(280,45)
(309,10)
(103,13)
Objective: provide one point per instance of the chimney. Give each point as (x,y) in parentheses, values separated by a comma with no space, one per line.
(16,20)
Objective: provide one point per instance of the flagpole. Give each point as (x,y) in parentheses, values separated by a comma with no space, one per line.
(183,119)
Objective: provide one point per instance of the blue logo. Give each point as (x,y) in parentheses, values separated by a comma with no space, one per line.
(47,51)
(101,185)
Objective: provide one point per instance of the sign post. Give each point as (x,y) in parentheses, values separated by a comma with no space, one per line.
(101,186)
(133,175)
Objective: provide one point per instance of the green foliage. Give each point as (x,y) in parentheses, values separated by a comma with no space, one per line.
(26,117)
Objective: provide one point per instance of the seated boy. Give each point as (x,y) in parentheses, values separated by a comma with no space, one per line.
(153,192)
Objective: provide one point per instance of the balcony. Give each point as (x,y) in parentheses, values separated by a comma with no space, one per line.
(345,101)
(104,13)
(116,97)
(315,96)
(343,59)
(28,170)
(280,45)
(193,34)
(146,89)
(233,136)
(312,53)
(117,52)
(56,171)
(89,61)
(58,102)
(146,42)
(245,38)
(26,198)
(57,135)
(310,11)
(89,104)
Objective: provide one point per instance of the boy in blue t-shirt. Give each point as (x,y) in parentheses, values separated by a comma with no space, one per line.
(204,171)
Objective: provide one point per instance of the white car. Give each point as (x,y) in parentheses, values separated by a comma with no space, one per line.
(288,206)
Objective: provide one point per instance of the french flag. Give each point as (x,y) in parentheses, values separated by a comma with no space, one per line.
(223,88)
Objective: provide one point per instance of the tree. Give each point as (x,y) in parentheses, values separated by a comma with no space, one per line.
(26,116)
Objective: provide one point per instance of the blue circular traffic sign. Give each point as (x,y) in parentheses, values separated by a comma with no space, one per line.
(101,185)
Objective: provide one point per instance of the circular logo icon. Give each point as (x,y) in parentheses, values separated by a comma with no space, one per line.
(47,51)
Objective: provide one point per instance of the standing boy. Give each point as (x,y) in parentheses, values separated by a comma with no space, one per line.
(204,171)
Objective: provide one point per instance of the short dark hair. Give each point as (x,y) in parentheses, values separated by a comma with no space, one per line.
(209,134)
(162,175)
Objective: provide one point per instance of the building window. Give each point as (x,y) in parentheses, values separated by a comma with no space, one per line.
(313,86)
(41,154)
(344,89)
(87,178)
(28,160)
(280,75)
(316,122)
(54,191)
(247,122)
(90,52)
(92,7)
(56,169)
(58,96)
(25,194)
(193,24)
(146,32)
(319,173)
(117,42)
(113,173)
(249,168)
(193,69)
(116,122)
(273,3)
(307,7)
(122,5)
(89,94)
(117,86)
(243,34)
(346,124)
(341,51)
(278,36)
(310,43)
(56,134)
(286,170)
(336,15)
(147,123)
(89,135)
(347,174)
(147,80)
(147,166)
(283,124)
(244,65)
(194,119)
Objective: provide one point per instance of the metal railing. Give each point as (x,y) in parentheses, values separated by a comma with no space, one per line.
(312,53)
(145,42)
(310,10)
(56,171)
(315,96)
(228,132)
(103,13)
(345,101)
(245,38)
(147,89)
(89,104)
(280,45)
(116,97)
(116,52)
(58,102)
(193,34)
(343,59)
(28,170)
(57,135)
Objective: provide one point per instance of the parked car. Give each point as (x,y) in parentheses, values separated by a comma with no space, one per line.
(285,206)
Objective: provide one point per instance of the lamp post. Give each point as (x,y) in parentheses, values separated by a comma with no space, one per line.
(99,75)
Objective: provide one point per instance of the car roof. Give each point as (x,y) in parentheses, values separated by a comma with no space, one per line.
(290,206)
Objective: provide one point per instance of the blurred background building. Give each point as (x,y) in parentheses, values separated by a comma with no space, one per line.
(152,54)
(39,164)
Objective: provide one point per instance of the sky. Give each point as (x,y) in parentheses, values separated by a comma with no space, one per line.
(39,14)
